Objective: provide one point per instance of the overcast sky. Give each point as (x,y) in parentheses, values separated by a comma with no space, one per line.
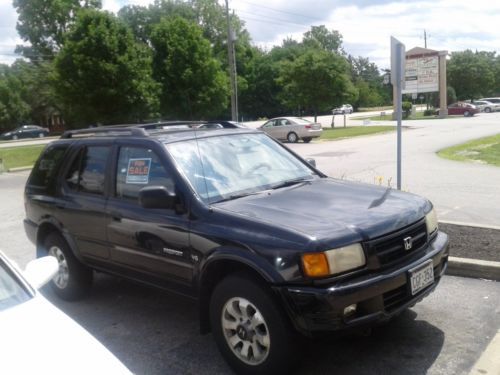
(366,25)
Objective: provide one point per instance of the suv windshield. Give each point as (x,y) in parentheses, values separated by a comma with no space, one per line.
(235,165)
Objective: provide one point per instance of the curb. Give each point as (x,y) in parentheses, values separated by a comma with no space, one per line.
(20,169)
(467,224)
(489,362)
(480,269)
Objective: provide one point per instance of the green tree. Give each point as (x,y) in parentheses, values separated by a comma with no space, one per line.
(104,75)
(320,36)
(13,109)
(43,24)
(316,81)
(37,88)
(471,74)
(193,85)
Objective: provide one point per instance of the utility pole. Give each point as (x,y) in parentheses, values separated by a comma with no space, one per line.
(231,38)
(425,38)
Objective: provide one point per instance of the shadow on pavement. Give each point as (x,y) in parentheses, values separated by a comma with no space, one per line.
(153,332)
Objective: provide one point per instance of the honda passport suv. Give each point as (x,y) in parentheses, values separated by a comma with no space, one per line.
(267,244)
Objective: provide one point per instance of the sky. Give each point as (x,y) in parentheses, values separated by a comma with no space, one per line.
(366,25)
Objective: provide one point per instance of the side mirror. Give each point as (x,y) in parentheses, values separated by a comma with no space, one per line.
(311,161)
(156,197)
(41,270)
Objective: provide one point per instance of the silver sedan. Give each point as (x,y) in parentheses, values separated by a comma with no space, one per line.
(292,129)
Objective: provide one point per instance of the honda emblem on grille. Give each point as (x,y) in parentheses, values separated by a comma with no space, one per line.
(408,241)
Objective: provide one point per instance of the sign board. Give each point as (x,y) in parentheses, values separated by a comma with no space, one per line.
(138,171)
(421,74)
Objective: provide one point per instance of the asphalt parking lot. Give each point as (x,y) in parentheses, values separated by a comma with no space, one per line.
(157,333)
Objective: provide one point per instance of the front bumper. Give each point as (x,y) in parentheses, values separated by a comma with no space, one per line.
(378,296)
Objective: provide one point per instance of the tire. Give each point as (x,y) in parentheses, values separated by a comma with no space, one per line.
(245,318)
(74,279)
(466,114)
(41,135)
(292,137)
(14,137)
(307,140)
(487,109)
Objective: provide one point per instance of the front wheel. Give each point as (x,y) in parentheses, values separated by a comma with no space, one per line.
(41,135)
(487,109)
(250,329)
(466,114)
(74,279)
(292,137)
(14,137)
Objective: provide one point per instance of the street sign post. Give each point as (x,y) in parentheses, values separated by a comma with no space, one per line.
(398,82)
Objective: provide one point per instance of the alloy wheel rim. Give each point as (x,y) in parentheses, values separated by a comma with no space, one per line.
(245,331)
(292,138)
(61,279)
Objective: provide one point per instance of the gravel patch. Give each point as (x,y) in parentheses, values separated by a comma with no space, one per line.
(472,242)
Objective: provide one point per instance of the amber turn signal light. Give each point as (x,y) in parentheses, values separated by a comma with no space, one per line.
(315,264)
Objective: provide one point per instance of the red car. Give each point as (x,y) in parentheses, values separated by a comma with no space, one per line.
(461,108)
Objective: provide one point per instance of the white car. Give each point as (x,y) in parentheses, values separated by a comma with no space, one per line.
(38,338)
(487,106)
(346,108)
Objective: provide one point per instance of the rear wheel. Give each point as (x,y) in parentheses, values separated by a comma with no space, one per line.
(73,280)
(292,137)
(250,329)
(41,135)
(487,109)
(307,140)
(14,137)
(466,113)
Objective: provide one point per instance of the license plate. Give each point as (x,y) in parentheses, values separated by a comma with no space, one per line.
(421,276)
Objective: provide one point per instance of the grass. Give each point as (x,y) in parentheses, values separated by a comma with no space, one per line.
(23,156)
(353,131)
(482,150)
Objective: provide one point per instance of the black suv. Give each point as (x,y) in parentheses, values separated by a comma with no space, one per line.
(267,244)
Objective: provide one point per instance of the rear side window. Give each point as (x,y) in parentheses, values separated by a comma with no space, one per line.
(87,172)
(45,171)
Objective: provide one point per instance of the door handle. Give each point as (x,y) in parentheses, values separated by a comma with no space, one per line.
(116,216)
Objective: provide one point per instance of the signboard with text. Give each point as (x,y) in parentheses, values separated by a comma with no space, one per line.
(421,74)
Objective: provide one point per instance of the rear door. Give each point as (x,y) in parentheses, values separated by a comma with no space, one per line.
(80,206)
(151,244)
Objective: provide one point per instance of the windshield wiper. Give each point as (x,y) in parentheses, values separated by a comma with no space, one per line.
(236,196)
(291,182)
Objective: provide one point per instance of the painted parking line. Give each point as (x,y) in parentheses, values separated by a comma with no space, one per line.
(489,363)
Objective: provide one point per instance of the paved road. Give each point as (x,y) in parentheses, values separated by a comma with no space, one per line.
(467,192)
(156,333)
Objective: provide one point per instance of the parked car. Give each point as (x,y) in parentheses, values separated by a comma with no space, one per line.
(461,108)
(38,338)
(226,124)
(292,129)
(492,100)
(267,244)
(345,108)
(25,131)
(486,106)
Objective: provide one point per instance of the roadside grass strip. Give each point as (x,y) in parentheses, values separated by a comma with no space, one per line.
(23,156)
(483,150)
(353,131)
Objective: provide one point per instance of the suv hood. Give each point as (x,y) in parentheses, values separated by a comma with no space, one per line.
(329,209)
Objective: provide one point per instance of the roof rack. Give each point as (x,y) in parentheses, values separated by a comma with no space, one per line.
(111,131)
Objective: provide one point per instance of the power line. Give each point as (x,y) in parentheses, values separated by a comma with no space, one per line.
(282,11)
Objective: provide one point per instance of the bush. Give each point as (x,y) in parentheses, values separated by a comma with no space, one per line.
(406,109)
(429,112)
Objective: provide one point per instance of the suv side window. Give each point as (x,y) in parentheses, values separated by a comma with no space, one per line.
(46,169)
(87,172)
(139,167)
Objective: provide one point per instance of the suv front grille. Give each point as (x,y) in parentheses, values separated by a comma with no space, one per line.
(391,248)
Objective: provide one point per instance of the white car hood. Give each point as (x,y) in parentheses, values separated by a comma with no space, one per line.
(38,338)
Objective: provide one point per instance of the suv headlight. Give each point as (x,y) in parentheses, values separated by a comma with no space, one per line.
(334,261)
(431,221)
